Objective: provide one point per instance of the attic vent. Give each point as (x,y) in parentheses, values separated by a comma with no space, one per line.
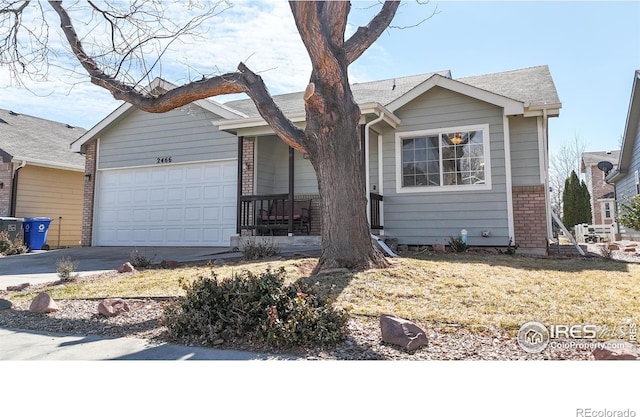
(11,112)
(394,85)
(69,126)
(3,121)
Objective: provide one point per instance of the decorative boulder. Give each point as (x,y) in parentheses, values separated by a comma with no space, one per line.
(126,267)
(439,248)
(168,264)
(18,287)
(401,332)
(5,304)
(112,307)
(43,303)
(615,350)
(613,246)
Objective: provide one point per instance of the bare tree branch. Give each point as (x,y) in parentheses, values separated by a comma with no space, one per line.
(365,36)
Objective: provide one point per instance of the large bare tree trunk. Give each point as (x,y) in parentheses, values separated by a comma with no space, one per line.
(336,154)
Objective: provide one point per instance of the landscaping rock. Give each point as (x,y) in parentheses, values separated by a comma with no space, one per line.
(219,262)
(43,303)
(18,287)
(168,264)
(126,267)
(112,307)
(5,304)
(613,246)
(401,332)
(629,249)
(439,248)
(615,350)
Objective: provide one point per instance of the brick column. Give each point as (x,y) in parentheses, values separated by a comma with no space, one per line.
(89,192)
(248,159)
(6,184)
(530,219)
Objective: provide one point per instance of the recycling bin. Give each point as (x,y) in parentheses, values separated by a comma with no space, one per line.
(35,231)
(13,227)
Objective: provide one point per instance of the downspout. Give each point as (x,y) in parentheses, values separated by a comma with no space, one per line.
(380,182)
(366,163)
(547,197)
(14,189)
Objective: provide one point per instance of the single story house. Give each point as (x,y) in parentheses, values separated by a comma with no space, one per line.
(441,155)
(626,177)
(40,176)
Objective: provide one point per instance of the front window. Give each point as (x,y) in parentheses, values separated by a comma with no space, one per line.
(607,210)
(433,160)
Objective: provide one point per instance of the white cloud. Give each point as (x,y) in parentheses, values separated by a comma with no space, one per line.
(261,34)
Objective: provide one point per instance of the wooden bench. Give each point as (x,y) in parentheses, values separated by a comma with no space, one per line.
(278,216)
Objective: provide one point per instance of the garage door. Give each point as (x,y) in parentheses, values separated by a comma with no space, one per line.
(176,205)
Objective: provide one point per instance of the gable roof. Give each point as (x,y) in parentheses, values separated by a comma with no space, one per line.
(37,141)
(381,91)
(631,129)
(532,87)
(157,84)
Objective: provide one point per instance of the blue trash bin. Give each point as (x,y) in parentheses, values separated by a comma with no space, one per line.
(35,231)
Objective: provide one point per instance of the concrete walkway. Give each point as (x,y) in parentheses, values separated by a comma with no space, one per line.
(39,267)
(29,345)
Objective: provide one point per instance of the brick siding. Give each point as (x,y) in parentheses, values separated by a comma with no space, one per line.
(530,217)
(599,188)
(5,190)
(89,190)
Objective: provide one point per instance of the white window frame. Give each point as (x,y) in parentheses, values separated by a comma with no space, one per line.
(637,178)
(603,207)
(486,140)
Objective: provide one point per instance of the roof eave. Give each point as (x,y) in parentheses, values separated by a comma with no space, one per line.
(511,107)
(631,127)
(18,160)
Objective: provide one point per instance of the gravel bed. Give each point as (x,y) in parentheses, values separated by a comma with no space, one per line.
(364,342)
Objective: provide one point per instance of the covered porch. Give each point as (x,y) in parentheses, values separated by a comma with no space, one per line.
(278,192)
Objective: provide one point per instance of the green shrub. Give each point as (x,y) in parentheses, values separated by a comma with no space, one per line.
(66,269)
(457,244)
(252,250)
(630,214)
(11,247)
(253,310)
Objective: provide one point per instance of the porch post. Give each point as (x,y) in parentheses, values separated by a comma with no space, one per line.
(291,154)
(239,188)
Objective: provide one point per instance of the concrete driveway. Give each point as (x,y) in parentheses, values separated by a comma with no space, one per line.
(40,266)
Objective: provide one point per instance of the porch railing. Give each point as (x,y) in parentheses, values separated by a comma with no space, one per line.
(375,201)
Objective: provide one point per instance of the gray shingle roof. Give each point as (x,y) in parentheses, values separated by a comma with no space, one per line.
(28,137)
(592,158)
(381,91)
(533,86)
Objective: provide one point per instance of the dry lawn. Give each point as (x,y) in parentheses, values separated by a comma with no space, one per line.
(473,290)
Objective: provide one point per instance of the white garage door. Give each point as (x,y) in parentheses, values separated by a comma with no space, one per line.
(173,205)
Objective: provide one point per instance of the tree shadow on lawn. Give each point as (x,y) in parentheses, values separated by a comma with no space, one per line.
(531,263)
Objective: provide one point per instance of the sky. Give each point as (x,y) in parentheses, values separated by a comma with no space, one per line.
(592,50)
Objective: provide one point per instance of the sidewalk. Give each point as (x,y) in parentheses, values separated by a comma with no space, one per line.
(29,345)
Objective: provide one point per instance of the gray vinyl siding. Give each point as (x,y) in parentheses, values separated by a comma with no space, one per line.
(185,135)
(434,217)
(373,162)
(626,187)
(525,156)
(273,169)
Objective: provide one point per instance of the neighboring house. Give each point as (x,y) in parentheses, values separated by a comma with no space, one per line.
(40,176)
(442,155)
(626,177)
(603,207)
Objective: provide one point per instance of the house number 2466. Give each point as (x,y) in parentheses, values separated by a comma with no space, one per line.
(163,160)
